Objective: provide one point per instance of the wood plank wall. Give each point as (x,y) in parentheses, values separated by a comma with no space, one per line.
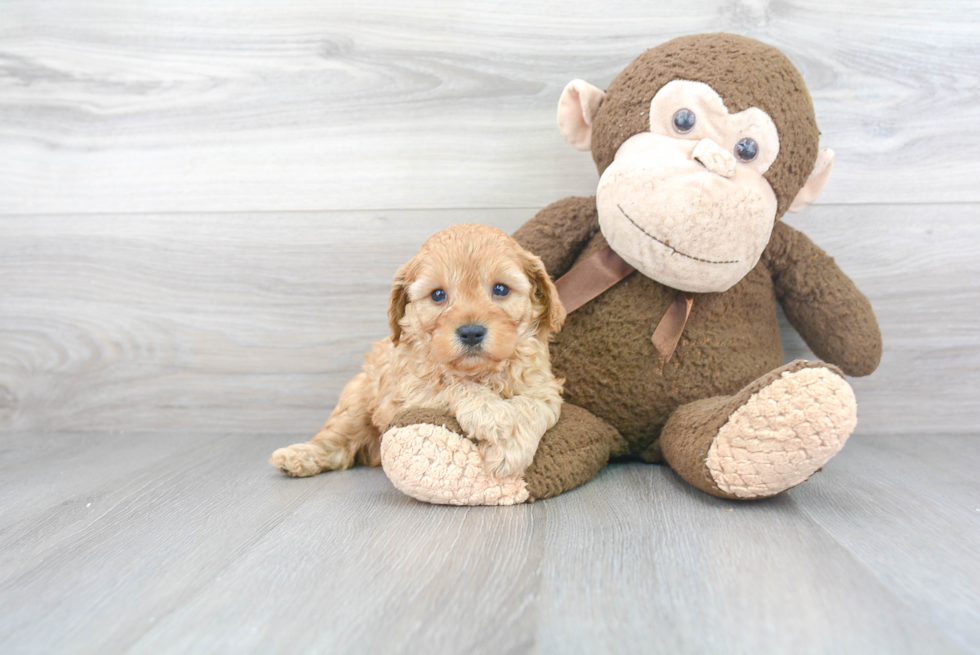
(202,203)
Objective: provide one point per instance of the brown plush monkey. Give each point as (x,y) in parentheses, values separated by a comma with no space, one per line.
(671,349)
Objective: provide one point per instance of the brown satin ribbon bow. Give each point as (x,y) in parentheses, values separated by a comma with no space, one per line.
(604,269)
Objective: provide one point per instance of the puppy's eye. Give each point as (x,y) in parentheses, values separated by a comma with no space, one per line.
(438,296)
(501,290)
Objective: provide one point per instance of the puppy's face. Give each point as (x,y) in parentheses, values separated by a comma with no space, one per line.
(470,296)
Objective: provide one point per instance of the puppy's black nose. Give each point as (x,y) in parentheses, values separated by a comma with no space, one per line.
(472,334)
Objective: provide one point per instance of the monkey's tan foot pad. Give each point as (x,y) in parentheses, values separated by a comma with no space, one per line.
(783,433)
(436,465)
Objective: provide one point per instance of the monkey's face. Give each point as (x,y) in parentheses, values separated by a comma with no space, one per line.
(702,143)
(686,203)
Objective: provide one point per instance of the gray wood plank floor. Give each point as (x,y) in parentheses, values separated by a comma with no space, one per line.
(183,543)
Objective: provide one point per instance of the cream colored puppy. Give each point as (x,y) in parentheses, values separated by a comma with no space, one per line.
(470,319)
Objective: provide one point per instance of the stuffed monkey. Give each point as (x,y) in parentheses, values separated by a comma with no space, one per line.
(671,350)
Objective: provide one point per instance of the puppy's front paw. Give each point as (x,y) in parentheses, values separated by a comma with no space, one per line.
(490,427)
(505,457)
(301,460)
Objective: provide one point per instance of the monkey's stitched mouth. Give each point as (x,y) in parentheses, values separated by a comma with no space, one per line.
(667,245)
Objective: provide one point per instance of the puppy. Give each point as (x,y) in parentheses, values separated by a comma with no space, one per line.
(470,318)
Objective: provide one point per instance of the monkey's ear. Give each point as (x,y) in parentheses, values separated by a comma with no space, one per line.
(815,183)
(544,295)
(580,102)
(399,298)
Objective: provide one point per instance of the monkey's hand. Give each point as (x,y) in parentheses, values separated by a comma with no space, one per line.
(822,303)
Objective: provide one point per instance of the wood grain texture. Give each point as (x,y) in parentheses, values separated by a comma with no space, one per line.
(908,510)
(207,549)
(664,568)
(253,323)
(115,106)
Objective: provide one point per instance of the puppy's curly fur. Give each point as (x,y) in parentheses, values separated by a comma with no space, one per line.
(470,318)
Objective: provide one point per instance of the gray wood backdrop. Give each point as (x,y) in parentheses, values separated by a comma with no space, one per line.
(202,203)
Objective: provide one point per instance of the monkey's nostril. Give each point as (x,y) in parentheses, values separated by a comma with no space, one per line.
(472,334)
(710,155)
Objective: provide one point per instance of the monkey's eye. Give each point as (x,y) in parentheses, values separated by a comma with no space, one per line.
(684,121)
(438,296)
(501,290)
(746,149)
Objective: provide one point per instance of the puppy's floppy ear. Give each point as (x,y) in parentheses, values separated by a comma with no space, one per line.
(544,295)
(399,297)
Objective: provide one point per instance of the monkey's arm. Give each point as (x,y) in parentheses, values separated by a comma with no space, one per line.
(822,303)
(559,232)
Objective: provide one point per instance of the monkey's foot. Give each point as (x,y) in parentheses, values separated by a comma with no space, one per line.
(771,436)
(783,434)
(434,464)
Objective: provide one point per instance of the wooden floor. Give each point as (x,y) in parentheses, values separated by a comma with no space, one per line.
(202,205)
(179,543)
